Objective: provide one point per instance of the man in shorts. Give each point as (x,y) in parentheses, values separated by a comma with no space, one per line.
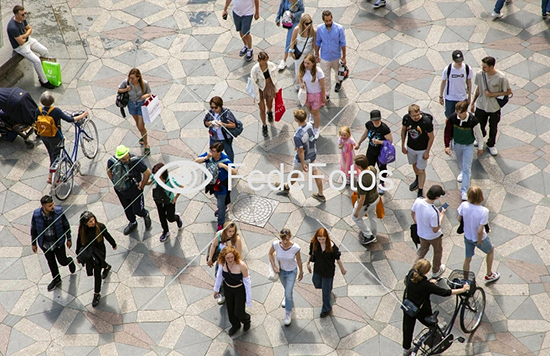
(243,11)
(418,132)
(306,152)
(475,218)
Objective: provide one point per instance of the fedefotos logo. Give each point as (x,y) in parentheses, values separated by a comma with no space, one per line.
(191,177)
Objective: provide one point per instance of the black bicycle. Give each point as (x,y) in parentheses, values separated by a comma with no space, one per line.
(435,339)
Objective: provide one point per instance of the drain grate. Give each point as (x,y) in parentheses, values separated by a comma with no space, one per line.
(253,210)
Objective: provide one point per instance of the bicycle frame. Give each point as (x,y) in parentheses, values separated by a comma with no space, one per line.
(72,158)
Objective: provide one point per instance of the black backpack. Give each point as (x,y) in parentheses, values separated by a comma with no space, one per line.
(160,196)
(122,100)
(449,74)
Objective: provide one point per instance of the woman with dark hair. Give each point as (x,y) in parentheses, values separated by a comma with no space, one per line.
(324,253)
(237,285)
(138,91)
(264,80)
(165,200)
(90,250)
(219,120)
(418,290)
(228,236)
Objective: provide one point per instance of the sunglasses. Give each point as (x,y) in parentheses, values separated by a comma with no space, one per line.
(214,107)
(308,23)
(285,232)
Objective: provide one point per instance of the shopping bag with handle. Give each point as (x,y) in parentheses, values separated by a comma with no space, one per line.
(151,109)
(53,72)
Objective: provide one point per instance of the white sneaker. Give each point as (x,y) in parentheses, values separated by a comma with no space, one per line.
(493,151)
(282,65)
(283,303)
(221,300)
(288,318)
(497,16)
(310,119)
(464,196)
(459,177)
(316,133)
(379,3)
(440,272)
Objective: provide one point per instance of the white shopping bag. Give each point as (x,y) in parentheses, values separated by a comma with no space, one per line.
(250,88)
(302,96)
(151,109)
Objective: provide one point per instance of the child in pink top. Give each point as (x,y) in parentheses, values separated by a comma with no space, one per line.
(346,144)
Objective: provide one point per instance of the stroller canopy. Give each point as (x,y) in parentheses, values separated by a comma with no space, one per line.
(18,105)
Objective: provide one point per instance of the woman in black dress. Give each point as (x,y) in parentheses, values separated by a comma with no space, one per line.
(90,250)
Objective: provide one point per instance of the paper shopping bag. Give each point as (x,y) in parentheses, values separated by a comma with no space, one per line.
(53,72)
(250,88)
(380,212)
(279,106)
(354,197)
(151,109)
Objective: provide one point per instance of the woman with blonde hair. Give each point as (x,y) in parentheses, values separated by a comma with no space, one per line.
(418,290)
(312,79)
(289,13)
(138,91)
(236,281)
(302,43)
(264,79)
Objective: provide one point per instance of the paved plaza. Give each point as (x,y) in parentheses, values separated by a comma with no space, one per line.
(158,298)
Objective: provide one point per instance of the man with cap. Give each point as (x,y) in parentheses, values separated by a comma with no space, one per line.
(129,175)
(428,220)
(377,132)
(456,83)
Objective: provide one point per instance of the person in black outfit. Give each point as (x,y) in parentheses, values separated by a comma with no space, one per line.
(90,250)
(49,230)
(377,132)
(323,253)
(54,144)
(219,120)
(237,287)
(418,290)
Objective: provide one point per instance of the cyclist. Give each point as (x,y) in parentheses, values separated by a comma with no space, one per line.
(418,290)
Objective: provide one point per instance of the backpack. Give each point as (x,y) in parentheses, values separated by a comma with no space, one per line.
(160,196)
(449,74)
(45,124)
(121,175)
(122,100)
(238,129)
(387,153)
(213,168)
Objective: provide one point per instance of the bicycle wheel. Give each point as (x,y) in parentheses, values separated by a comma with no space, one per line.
(89,139)
(63,179)
(472,311)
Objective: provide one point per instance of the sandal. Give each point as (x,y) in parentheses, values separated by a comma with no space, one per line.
(49,181)
(141,142)
(147,151)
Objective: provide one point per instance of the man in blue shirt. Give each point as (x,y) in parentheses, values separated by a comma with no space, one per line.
(331,41)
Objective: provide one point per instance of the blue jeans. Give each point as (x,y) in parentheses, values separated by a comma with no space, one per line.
(220,198)
(545,6)
(325,284)
(498,6)
(227,147)
(450,107)
(288,278)
(134,107)
(464,157)
(289,37)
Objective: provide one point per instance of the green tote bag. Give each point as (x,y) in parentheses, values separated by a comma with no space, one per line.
(53,72)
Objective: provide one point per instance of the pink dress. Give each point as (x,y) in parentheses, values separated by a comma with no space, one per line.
(348,153)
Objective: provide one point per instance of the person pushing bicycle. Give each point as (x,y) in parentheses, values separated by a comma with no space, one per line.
(417,291)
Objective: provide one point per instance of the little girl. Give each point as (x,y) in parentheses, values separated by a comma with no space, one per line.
(346,143)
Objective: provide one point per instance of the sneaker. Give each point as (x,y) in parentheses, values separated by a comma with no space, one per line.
(319,197)
(47,85)
(179,221)
(221,300)
(310,119)
(420,194)
(464,196)
(497,15)
(367,240)
(379,4)
(243,51)
(95,301)
(270,116)
(328,98)
(233,330)
(130,227)
(282,65)
(459,177)
(492,278)
(297,87)
(288,318)
(283,303)
(493,151)
(440,272)
(264,130)
(337,87)
(381,191)
(147,219)
(316,133)
(414,185)
(246,326)
(54,283)
(164,236)
(407,352)
(72,266)
(106,271)
(249,55)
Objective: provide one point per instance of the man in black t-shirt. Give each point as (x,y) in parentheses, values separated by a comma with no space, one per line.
(377,132)
(130,185)
(418,132)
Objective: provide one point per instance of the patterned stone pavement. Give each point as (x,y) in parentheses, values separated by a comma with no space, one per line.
(158,300)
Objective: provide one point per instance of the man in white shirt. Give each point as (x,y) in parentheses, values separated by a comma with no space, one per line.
(456,83)
(243,11)
(428,221)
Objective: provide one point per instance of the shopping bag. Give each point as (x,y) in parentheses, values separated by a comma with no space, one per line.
(302,96)
(250,88)
(279,106)
(354,197)
(53,72)
(380,212)
(151,109)
(387,153)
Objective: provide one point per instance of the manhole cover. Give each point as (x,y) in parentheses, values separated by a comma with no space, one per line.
(253,210)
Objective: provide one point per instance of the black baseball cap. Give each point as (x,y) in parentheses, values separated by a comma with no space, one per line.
(375,115)
(458,56)
(435,192)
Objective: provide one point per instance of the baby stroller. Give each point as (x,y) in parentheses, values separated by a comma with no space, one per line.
(17,114)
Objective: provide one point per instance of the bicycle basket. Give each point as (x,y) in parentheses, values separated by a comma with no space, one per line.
(458,278)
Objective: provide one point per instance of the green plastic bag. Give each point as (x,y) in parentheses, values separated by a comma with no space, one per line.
(53,72)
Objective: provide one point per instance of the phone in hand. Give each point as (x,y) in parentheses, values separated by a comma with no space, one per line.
(444,206)
(224,16)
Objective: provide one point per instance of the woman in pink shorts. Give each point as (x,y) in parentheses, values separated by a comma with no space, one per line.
(312,79)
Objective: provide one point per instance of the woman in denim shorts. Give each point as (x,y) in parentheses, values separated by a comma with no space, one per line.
(138,90)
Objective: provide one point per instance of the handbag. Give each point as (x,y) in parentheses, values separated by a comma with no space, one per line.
(501,100)
(354,197)
(216,251)
(414,235)
(279,106)
(53,72)
(250,88)
(297,52)
(387,153)
(287,20)
(151,109)
(380,212)
(302,96)
(408,306)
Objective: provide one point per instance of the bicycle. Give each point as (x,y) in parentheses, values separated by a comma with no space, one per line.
(66,166)
(434,339)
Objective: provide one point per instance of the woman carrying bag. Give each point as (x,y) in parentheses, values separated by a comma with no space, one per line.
(301,44)
(290,13)
(264,80)
(91,252)
(138,91)
(219,120)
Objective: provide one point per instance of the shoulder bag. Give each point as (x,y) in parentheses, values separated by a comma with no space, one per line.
(297,52)
(503,100)
(408,306)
